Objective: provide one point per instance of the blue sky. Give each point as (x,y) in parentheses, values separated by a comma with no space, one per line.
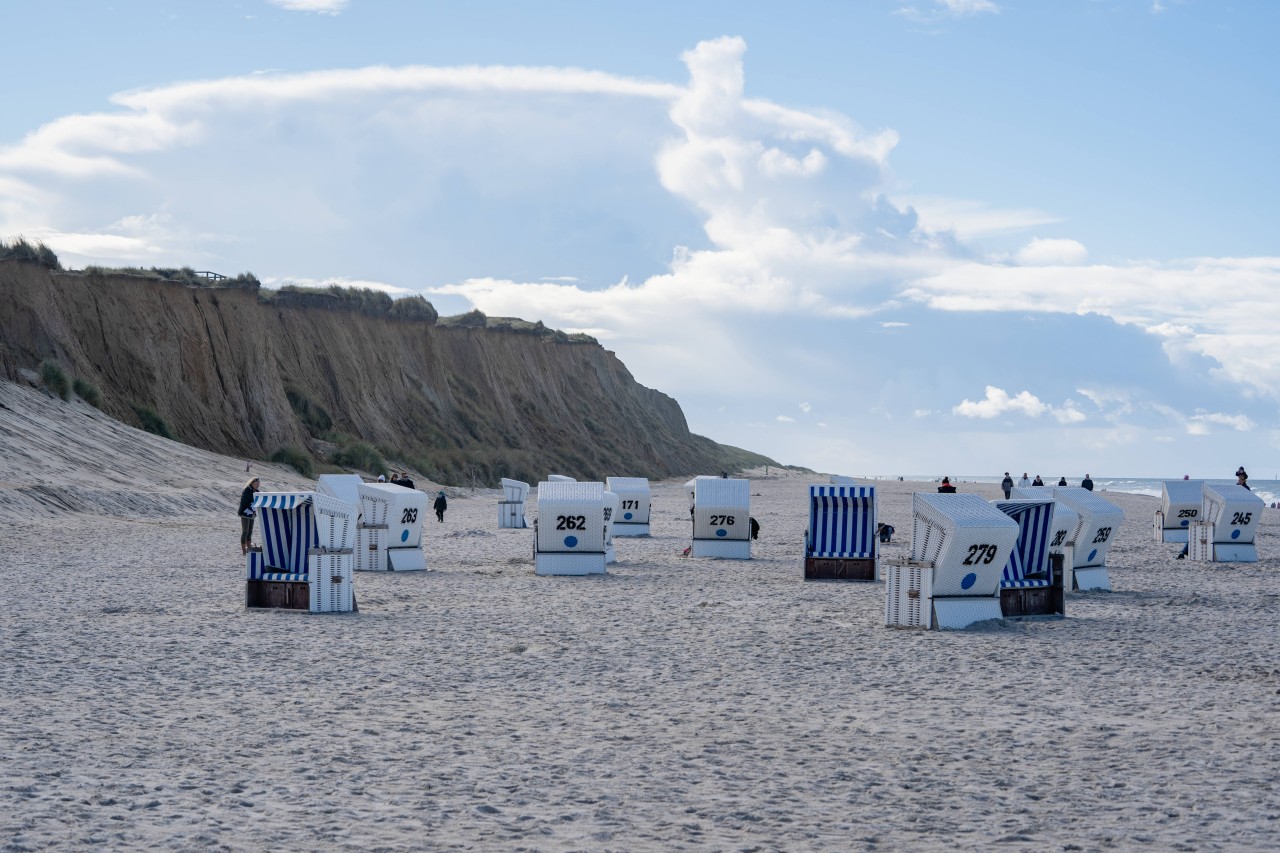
(941,236)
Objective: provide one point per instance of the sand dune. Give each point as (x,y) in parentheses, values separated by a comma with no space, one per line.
(672,704)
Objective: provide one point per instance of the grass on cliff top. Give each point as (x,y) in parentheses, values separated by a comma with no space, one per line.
(23,252)
(181,275)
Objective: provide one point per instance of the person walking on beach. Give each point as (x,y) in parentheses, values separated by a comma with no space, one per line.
(1006,485)
(440,506)
(1037,481)
(246,514)
(1024,482)
(1086,483)
(946,488)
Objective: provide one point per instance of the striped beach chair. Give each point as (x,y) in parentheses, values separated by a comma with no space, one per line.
(960,545)
(306,560)
(633,493)
(721,518)
(1230,517)
(569,534)
(840,542)
(1179,507)
(1031,584)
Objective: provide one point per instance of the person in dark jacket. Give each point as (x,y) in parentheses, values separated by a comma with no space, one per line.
(1037,481)
(246,514)
(1062,481)
(755,527)
(946,488)
(440,506)
(405,481)
(1006,484)
(1086,483)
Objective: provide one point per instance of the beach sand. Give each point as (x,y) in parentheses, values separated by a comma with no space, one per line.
(672,704)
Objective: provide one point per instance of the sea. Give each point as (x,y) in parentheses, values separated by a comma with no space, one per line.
(1268,490)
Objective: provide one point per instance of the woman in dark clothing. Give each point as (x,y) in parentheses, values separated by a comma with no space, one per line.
(1006,485)
(1062,481)
(440,506)
(946,488)
(246,514)
(1037,481)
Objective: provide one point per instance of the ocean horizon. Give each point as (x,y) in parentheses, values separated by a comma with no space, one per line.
(1268,490)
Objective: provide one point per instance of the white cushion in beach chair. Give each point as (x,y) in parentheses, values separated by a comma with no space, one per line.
(721,518)
(307,537)
(569,535)
(964,544)
(1230,518)
(511,507)
(633,493)
(1179,507)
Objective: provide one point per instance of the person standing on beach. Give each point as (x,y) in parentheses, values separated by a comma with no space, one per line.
(1024,482)
(246,514)
(1086,483)
(1006,484)
(1037,481)
(946,488)
(1062,481)
(440,506)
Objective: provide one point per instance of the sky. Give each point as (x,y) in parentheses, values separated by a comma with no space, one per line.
(887,237)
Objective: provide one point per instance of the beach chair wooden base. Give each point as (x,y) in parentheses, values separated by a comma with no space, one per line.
(278,595)
(840,569)
(1038,600)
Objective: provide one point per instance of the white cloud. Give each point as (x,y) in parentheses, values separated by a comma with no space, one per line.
(948,9)
(970,220)
(322,7)
(806,408)
(785,419)
(1201,421)
(893,324)
(999,402)
(1045,252)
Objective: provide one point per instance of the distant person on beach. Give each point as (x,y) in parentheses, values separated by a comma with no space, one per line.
(440,506)
(1243,480)
(885,532)
(1062,481)
(246,514)
(755,526)
(1086,483)
(946,488)
(1006,484)
(1024,482)
(382,478)
(405,481)
(1037,481)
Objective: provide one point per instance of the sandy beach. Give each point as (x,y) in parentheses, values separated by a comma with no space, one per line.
(671,704)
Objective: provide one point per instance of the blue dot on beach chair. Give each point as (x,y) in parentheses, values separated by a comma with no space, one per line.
(571,541)
(968,580)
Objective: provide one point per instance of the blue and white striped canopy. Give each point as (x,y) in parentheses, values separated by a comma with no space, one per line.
(288,529)
(842,521)
(1035,529)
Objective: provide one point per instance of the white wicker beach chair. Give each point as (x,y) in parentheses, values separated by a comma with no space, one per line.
(1096,529)
(721,518)
(1031,584)
(389,538)
(560,478)
(840,542)
(569,534)
(1179,507)
(1066,521)
(1228,524)
(306,560)
(960,545)
(633,492)
(611,505)
(511,507)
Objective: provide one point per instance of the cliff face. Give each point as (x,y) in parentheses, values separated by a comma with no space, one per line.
(240,376)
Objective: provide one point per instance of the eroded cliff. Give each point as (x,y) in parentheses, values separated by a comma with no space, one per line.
(232,373)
